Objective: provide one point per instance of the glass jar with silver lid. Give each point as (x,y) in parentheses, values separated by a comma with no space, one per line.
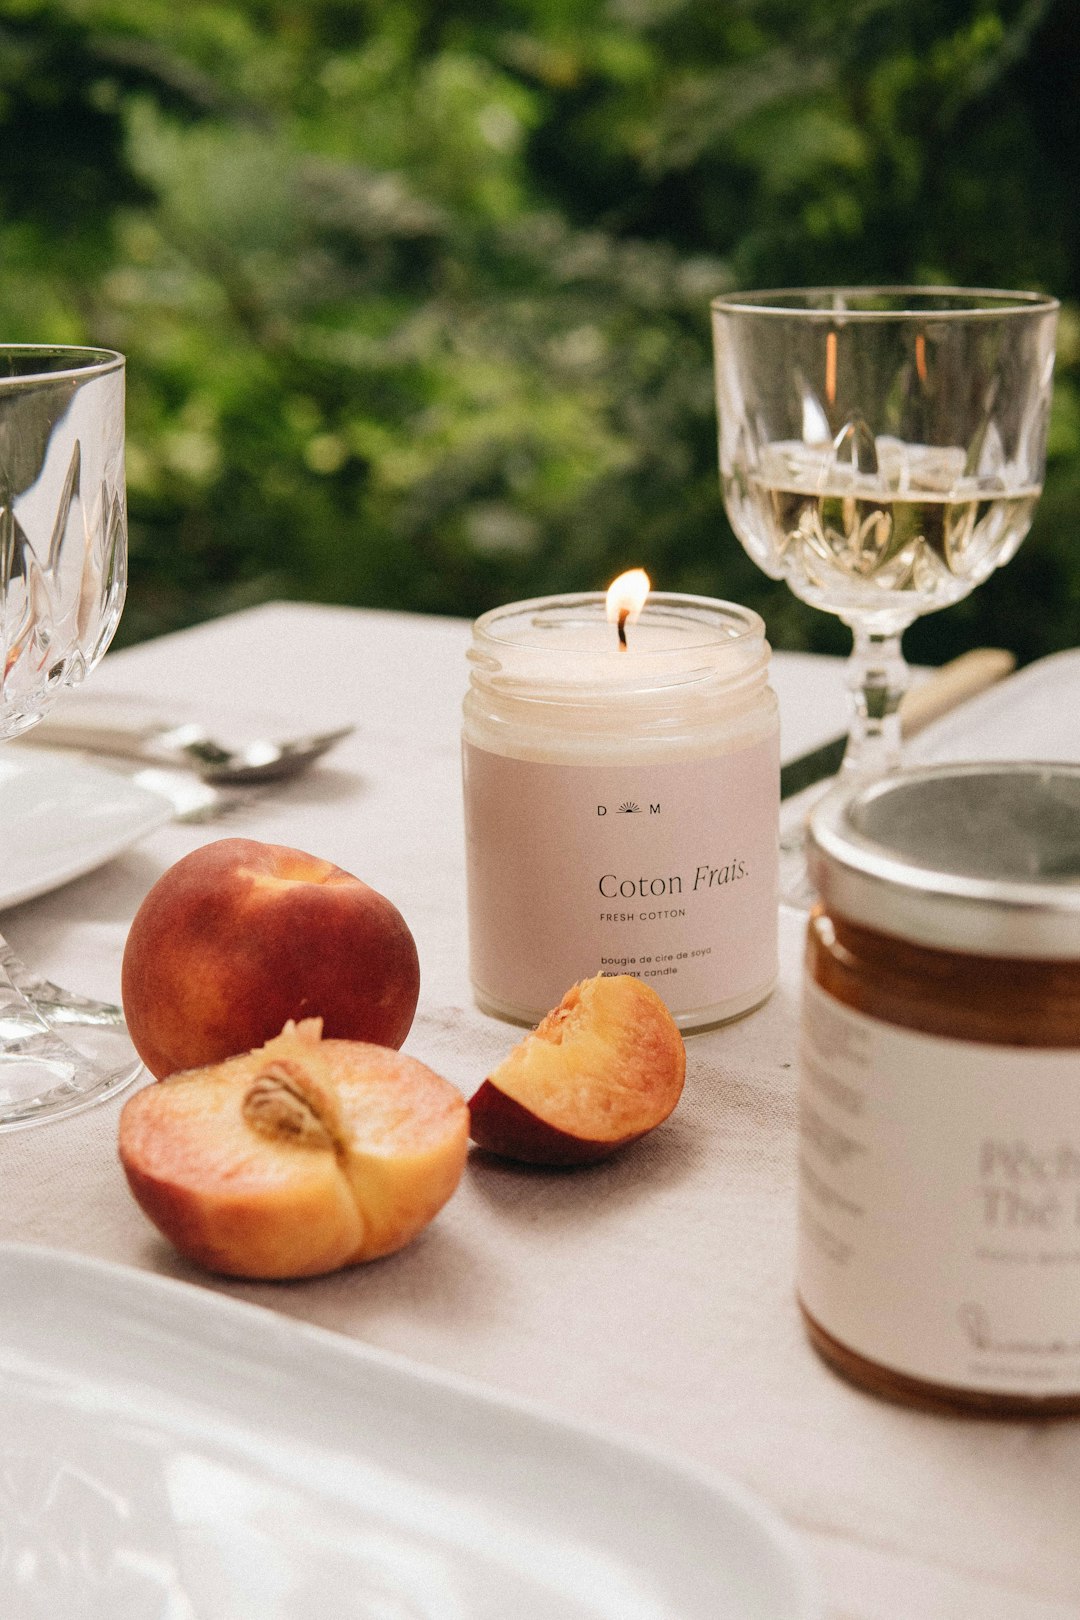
(940,1087)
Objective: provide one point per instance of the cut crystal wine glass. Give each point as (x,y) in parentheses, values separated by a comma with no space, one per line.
(63,571)
(882,451)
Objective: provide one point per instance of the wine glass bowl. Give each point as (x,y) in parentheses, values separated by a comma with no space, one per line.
(882,451)
(914,532)
(63,570)
(63,523)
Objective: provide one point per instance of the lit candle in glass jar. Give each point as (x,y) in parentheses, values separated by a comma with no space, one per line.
(621,768)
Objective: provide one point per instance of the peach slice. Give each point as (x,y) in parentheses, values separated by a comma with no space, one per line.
(296,1159)
(605,1066)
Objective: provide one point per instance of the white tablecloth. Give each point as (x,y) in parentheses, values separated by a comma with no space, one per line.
(653,1294)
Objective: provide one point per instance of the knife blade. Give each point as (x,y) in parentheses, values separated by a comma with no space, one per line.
(947,687)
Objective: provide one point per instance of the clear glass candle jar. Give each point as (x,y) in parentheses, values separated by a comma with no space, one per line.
(939,1254)
(621,805)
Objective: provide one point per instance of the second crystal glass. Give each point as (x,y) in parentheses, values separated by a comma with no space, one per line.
(882,450)
(63,571)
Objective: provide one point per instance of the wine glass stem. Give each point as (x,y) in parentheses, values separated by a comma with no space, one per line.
(877,677)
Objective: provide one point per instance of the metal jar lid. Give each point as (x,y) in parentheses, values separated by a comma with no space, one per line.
(980,858)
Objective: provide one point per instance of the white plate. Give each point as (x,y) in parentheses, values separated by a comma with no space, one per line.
(61,817)
(1035,714)
(167,1453)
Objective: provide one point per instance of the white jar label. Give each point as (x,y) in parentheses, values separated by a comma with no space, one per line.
(667,872)
(939,1215)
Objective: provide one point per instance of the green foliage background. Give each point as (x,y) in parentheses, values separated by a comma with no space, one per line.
(415,292)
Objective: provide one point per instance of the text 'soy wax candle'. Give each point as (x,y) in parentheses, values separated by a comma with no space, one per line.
(621,768)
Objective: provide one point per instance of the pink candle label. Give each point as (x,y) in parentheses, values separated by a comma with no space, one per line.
(664,871)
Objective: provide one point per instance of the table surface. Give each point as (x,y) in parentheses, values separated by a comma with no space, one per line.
(652,1294)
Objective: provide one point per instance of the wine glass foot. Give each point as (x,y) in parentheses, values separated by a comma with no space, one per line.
(43,1082)
(796,889)
(51,1066)
(797,892)
(43,1078)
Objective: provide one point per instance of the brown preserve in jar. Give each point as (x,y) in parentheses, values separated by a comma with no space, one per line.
(939,1230)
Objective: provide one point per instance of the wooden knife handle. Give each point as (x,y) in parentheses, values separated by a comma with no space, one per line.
(953,684)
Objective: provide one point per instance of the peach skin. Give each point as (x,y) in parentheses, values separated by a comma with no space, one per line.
(240,936)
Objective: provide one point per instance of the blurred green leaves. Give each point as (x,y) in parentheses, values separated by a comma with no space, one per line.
(415,294)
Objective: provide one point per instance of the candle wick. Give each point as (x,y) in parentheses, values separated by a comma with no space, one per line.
(624,614)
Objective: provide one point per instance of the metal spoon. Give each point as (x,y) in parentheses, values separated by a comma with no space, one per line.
(260,760)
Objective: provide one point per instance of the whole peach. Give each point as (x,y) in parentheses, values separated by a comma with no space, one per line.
(241,936)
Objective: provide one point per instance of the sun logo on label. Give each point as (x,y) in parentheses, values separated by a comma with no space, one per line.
(629,809)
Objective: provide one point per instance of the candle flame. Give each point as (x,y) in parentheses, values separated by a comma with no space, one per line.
(626,598)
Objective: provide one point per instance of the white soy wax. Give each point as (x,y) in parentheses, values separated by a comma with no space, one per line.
(622,805)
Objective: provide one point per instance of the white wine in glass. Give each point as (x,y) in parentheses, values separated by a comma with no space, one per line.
(882,451)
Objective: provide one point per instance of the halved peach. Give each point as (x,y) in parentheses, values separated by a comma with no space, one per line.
(298,1158)
(603,1068)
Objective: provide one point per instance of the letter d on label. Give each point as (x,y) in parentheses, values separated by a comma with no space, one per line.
(601,809)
